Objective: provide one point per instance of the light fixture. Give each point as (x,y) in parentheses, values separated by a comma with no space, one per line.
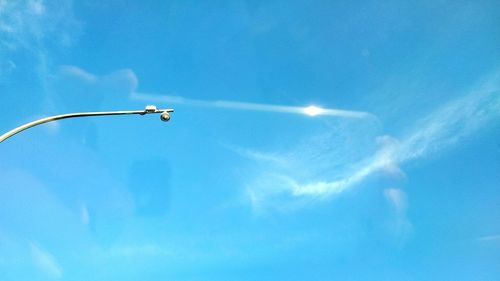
(150,109)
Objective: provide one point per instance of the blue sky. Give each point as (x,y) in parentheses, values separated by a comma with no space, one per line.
(396,178)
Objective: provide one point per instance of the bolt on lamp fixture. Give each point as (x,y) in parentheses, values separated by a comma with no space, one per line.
(150,109)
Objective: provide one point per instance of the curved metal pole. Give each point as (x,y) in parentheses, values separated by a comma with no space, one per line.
(150,109)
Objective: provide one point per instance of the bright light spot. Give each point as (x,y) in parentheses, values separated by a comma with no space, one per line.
(313,110)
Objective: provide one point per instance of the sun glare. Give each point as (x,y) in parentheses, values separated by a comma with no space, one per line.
(313,110)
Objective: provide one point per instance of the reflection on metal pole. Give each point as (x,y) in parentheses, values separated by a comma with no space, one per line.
(150,109)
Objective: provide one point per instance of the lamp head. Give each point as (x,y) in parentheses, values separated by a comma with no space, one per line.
(165,116)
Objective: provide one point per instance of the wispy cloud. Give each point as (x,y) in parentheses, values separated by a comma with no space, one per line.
(27,24)
(73,86)
(77,72)
(35,29)
(399,202)
(257,155)
(46,262)
(277,185)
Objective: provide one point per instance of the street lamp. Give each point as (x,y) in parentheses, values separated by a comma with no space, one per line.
(150,109)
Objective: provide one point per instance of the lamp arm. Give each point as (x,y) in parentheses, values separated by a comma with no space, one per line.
(148,110)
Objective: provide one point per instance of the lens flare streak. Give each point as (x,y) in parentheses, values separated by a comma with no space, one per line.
(309,110)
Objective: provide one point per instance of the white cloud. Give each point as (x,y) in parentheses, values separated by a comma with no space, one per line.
(401,226)
(28,23)
(34,30)
(257,155)
(123,79)
(77,72)
(73,86)
(397,198)
(439,130)
(383,160)
(277,185)
(46,262)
